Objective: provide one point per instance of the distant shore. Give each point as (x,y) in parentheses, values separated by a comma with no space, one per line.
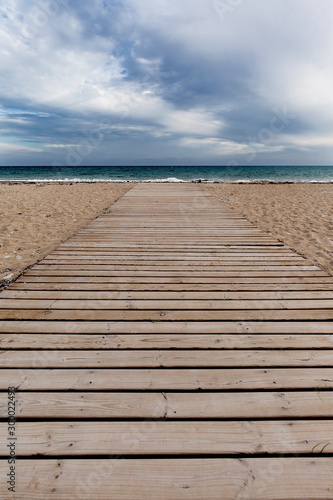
(37,216)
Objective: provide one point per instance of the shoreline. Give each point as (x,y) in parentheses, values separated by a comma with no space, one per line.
(199,181)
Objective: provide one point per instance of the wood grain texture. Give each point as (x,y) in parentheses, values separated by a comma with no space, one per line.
(157,347)
(171,379)
(171,405)
(172,438)
(170,479)
(165,358)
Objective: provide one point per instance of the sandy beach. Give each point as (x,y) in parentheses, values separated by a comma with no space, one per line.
(36,217)
(300,215)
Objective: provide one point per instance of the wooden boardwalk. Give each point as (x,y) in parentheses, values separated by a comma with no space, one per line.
(169,350)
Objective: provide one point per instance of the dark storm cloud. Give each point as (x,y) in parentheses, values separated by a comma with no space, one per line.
(135,81)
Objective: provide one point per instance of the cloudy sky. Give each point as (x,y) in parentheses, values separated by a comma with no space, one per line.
(160,82)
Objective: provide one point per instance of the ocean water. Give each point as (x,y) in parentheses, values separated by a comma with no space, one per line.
(168,174)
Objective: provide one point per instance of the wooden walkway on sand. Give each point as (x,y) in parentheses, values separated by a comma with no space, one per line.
(169,350)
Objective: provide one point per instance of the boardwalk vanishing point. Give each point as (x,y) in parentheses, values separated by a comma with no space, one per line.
(169,350)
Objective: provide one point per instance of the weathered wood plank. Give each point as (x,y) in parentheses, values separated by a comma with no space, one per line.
(164,315)
(179,296)
(168,479)
(167,379)
(77,340)
(238,273)
(169,405)
(165,358)
(201,263)
(172,327)
(225,304)
(171,438)
(177,287)
(224,251)
(255,280)
(159,268)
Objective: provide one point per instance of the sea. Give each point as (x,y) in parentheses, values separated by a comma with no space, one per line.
(168,174)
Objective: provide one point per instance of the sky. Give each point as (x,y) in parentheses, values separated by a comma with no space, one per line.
(166,82)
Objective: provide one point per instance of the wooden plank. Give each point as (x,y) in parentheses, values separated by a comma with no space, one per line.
(224,224)
(159,268)
(132,256)
(169,405)
(183,274)
(157,232)
(171,438)
(225,250)
(198,246)
(172,327)
(277,280)
(148,304)
(167,379)
(74,339)
(226,304)
(169,287)
(143,237)
(179,296)
(168,479)
(150,315)
(165,358)
(172,264)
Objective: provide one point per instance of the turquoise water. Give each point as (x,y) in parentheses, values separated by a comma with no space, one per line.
(168,174)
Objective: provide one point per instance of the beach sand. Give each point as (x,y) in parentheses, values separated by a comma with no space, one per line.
(36,217)
(299,215)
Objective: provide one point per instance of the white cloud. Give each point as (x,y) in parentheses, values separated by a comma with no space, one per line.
(168,70)
(307,142)
(190,122)
(215,146)
(18,148)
